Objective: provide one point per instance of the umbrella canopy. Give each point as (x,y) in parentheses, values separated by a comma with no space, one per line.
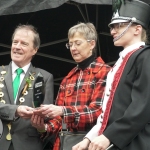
(25,6)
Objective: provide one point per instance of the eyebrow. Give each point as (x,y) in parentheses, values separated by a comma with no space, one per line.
(74,41)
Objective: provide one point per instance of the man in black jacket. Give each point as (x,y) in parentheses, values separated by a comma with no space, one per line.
(125,122)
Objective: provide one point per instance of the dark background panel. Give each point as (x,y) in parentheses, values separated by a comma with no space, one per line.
(53,25)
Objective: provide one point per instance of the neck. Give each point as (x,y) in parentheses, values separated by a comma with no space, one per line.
(85,63)
(134,41)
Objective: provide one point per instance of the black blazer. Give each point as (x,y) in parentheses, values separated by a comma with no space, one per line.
(129,121)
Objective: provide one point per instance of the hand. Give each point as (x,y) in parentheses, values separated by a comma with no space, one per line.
(83,145)
(38,122)
(24,112)
(49,111)
(99,143)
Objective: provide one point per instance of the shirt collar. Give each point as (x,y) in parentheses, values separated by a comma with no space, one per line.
(131,48)
(15,67)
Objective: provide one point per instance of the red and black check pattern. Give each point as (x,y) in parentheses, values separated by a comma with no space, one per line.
(80,95)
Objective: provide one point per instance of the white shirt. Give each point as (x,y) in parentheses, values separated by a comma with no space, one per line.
(94,132)
(14,68)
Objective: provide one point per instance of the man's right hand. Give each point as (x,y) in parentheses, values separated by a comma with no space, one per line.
(83,145)
(24,112)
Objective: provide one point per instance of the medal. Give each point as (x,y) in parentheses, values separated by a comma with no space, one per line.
(30,85)
(3,72)
(32,78)
(21,99)
(3,101)
(1,85)
(1,94)
(26,92)
(8,136)
(26,86)
(1,79)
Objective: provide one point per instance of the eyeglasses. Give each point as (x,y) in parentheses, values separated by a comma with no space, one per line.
(117,26)
(76,43)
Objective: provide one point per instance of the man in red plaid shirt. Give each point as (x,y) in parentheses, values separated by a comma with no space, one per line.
(80,94)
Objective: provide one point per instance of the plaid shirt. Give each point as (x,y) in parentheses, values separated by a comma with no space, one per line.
(80,95)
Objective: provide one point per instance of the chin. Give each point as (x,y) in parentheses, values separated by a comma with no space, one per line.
(116,43)
(76,60)
(16,61)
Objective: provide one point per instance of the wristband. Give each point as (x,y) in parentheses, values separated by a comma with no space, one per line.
(44,130)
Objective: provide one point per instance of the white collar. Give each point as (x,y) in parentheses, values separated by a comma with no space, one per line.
(131,48)
(15,67)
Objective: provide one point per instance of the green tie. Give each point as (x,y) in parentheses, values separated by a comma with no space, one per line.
(16,81)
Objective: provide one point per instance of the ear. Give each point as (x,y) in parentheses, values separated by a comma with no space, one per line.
(138,29)
(92,43)
(35,51)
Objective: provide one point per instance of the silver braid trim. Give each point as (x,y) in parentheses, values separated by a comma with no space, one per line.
(122,18)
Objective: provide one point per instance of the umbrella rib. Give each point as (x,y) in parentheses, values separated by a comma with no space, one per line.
(57,58)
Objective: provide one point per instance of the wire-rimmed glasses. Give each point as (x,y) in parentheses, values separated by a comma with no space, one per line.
(117,26)
(76,43)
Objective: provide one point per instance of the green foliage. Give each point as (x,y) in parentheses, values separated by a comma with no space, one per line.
(116,4)
(28,80)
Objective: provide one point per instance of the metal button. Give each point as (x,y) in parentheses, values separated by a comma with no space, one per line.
(83,90)
(1,94)
(69,91)
(21,99)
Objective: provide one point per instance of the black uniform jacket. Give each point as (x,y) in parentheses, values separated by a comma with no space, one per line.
(129,122)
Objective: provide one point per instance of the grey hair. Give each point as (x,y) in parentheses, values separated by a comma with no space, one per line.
(87,30)
(36,41)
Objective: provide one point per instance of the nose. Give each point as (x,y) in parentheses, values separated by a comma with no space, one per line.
(112,31)
(73,47)
(18,45)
